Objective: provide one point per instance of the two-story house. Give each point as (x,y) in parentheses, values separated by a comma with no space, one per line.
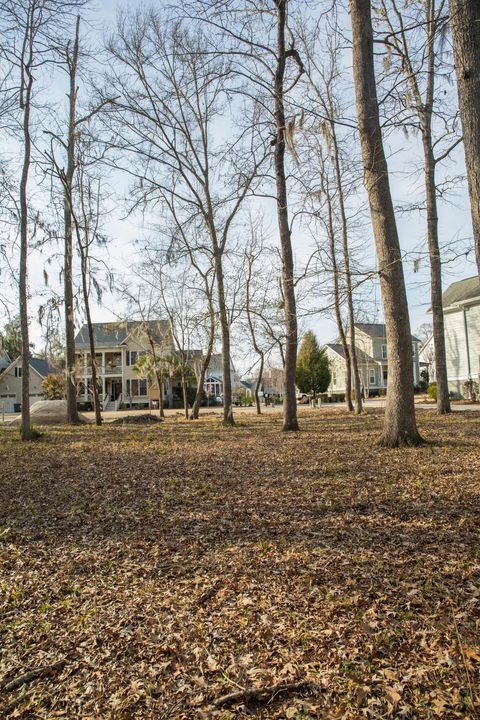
(461,312)
(372,356)
(11,383)
(118,345)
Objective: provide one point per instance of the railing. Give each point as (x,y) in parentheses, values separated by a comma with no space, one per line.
(113,370)
(118,402)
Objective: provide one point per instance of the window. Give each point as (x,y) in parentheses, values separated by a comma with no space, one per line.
(372,377)
(385,376)
(18,372)
(131,357)
(136,387)
(384,352)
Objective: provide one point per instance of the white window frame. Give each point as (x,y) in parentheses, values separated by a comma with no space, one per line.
(384,352)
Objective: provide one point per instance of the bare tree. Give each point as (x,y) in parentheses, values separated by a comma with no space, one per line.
(419,64)
(465,26)
(31,30)
(171,96)
(400,426)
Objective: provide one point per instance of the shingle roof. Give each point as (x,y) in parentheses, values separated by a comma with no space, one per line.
(361,356)
(43,367)
(467,289)
(113,334)
(376,330)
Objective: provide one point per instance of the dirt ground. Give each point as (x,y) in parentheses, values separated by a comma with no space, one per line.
(148,572)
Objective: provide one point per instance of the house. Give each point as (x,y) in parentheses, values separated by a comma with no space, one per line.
(372,355)
(118,346)
(11,383)
(461,309)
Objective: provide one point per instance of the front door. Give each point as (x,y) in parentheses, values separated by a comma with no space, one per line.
(116,389)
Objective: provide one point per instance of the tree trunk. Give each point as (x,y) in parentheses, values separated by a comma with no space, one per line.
(443,401)
(159,376)
(258,384)
(348,276)
(184,393)
(336,297)
(290,421)
(91,338)
(71,386)
(25,103)
(208,355)
(400,426)
(465,26)
(225,330)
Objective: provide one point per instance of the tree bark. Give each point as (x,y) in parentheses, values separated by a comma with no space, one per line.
(91,338)
(208,355)
(465,26)
(71,386)
(290,421)
(443,400)
(400,426)
(336,297)
(225,331)
(348,276)
(25,104)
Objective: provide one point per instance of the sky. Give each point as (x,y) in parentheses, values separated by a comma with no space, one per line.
(122,254)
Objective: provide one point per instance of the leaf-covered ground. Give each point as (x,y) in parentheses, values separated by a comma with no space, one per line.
(157,569)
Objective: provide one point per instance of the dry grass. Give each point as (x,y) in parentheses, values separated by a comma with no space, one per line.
(163,567)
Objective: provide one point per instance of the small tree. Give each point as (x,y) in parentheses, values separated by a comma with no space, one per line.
(313,371)
(54,387)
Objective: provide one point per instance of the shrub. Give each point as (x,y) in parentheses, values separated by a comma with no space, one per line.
(53,387)
(432,391)
(35,433)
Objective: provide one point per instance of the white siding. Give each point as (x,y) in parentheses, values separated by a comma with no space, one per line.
(456,349)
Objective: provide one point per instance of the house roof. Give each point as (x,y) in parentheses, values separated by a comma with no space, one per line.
(376,330)
(43,367)
(113,334)
(361,356)
(457,292)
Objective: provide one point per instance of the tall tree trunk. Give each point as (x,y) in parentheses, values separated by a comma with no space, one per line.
(25,104)
(443,401)
(336,297)
(400,426)
(91,338)
(258,384)
(184,390)
(348,275)
(72,409)
(290,421)
(159,376)
(211,339)
(225,331)
(465,25)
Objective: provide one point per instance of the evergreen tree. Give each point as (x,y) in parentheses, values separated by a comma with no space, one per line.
(313,371)
(11,339)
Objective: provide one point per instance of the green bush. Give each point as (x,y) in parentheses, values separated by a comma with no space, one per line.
(432,391)
(35,433)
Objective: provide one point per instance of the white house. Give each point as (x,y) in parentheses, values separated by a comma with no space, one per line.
(372,356)
(461,308)
(118,345)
